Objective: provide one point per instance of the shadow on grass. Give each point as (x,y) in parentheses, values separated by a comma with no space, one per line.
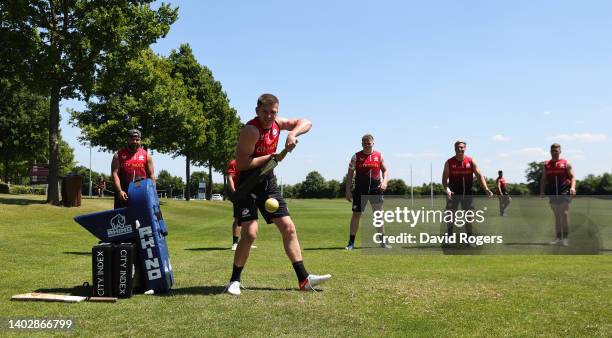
(20,201)
(328,248)
(210,290)
(78,290)
(77,253)
(208,249)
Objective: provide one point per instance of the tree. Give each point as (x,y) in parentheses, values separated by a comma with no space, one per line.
(66,45)
(396,187)
(23,116)
(171,184)
(332,189)
(313,186)
(533,174)
(212,139)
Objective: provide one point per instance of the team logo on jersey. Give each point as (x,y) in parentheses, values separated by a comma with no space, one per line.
(274,132)
(375,158)
(245,212)
(141,157)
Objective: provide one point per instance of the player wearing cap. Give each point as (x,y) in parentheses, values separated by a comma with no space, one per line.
(502,193)
(128,164)
(457,179)
(559,184)
(256,146)
(366,166)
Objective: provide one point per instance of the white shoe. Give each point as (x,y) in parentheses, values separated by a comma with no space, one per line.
(233,288)
(557,241)
(350,246)
(312,281)
(565,242)
(234,246)
(253,246)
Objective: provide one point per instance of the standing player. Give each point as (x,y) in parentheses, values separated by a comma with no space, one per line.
(502,193)
(233,174)
(366,167)
(457,180)
(256,146)
(128,164)
(559,183)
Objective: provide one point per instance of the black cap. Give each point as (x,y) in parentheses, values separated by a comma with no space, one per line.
(134,132)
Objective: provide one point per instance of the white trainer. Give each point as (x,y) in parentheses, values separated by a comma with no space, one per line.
(312,281)
(557,241)
(565,242)
(234,246)
(233,288)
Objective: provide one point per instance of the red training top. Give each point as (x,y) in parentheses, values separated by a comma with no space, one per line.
(367,168)
(233,170)
(556,173)
(132,165)
(268,138)
(502,185)
(461,175)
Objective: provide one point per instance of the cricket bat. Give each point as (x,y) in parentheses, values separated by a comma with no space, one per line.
(50,297)
(247,186)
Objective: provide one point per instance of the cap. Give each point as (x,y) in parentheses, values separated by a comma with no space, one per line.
(134,132)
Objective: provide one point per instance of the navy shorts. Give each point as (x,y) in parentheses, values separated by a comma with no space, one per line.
(246,208)
(361,197)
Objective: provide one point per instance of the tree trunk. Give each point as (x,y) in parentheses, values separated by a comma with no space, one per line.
(6,170)
(53,179)
(210,184)
(187,174)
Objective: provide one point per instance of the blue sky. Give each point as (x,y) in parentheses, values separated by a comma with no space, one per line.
(508,77)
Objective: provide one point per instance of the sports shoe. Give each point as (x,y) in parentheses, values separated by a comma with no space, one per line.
(557,241)
(233,288)
(350,246)
(253,246)
(385,246)
(313,280)
(234,246)
(565,242)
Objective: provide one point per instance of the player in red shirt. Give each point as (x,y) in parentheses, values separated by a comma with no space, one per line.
(366,167)
(128,164)
(457,179)
(233,175)
(559,183)
(256,146)
(502,193)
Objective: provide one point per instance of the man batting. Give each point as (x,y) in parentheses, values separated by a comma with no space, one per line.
(256,146)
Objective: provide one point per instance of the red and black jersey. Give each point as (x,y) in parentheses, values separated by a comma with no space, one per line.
(268,138)
(461,175)
(501,183)
(232,171)
(367,170)
(557,176)
(132,165)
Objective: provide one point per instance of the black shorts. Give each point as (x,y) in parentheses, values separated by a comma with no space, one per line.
(558,195)
(236,210)
(466,202)
(246,208)
(362,197)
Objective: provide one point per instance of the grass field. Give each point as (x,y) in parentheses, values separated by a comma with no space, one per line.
(402,294)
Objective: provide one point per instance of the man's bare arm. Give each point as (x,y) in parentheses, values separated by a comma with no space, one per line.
(249,135)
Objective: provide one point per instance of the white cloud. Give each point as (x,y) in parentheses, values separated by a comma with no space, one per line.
(547,113)
(532,152)
(500,138)
(581,137)
(417,155)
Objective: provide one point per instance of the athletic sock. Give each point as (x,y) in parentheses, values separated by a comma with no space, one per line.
(234,239)
(300,271)
(351,239)
(236,271)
